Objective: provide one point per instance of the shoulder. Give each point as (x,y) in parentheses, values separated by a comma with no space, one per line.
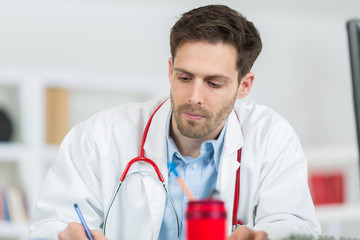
(269,137)
(263,122)
(251,113)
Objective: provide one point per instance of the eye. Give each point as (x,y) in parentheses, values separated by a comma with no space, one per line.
(214,84)
(184,77)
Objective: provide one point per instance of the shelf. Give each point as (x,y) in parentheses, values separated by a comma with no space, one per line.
(340,158)
(343,212)
(13,230)
(50,152)
(89,81)
(345,155)
(11,152)
(8,80)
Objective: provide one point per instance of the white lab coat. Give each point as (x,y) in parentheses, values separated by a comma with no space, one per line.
(274,194)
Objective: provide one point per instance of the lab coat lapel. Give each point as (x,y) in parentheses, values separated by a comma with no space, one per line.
(228,164)
(155,199)
(155,149)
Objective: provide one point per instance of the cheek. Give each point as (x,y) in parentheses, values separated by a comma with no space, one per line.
(179,91)
(225,101)
(176,96)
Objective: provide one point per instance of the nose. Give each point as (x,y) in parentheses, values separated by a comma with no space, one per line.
(196,93)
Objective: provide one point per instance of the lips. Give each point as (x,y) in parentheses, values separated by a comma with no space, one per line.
(193,116)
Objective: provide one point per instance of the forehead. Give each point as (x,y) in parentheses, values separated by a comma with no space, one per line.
(214,58)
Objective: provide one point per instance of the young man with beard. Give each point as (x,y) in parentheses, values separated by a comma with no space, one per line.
(200,129)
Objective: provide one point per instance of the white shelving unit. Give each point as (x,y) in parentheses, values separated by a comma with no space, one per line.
(27,157)
(13,231)
(339,219)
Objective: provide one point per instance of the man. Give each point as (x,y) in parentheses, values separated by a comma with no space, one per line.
(200,129)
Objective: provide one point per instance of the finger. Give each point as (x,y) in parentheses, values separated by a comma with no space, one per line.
(242,233)
(97,235)
(261,235)
(73,231)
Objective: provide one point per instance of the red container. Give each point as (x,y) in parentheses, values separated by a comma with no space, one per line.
(206,219)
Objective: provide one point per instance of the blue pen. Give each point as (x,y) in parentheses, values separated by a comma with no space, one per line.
(82,220)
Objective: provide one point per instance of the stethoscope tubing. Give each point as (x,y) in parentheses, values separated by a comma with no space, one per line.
(143,158)
(165,190)
(161,178)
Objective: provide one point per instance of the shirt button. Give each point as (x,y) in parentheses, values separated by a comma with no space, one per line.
(195,166)
(208,160)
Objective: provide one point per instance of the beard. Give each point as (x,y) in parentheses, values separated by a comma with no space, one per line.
(199,129)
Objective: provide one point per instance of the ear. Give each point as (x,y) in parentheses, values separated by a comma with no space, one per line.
(171,67)
(245,85)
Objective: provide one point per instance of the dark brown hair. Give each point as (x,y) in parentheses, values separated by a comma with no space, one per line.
(215,24)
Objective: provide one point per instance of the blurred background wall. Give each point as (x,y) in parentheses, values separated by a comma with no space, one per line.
(303,71)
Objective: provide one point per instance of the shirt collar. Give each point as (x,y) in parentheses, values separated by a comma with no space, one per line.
(214,146)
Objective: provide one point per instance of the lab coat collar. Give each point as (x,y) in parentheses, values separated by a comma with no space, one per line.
(228,164)
(234,138)
(155,144)
(155,149)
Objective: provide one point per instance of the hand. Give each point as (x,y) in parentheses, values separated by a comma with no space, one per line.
(245,233)
(75,231)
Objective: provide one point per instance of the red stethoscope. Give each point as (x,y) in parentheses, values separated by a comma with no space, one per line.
(142,157)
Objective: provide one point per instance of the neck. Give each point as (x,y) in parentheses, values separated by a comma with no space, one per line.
(190,146)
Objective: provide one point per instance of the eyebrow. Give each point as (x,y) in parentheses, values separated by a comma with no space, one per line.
(206,77)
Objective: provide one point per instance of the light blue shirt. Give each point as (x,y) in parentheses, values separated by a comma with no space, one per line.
(199,174)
